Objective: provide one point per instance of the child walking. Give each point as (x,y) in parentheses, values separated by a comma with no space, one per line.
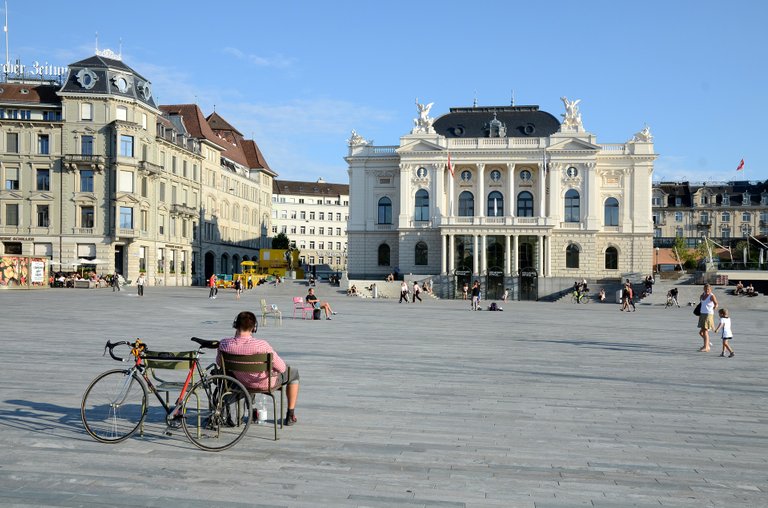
(725,324)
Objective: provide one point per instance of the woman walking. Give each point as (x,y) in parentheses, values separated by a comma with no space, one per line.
(708,304)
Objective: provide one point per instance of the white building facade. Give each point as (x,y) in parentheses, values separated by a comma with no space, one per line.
(314,217)
(500,193)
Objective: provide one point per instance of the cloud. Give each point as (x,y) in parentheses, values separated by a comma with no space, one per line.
(278,61)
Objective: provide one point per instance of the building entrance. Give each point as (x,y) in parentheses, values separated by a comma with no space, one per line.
(461,276)
(119,257)
(529,284)
(494,283)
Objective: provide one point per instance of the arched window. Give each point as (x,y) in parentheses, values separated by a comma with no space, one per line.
(466,204)
(611,212)
(572,256)
(495,204)
(421,211)
(572,205)
(611,258)
(525,204)
(421,254)
(383,254)
(385,211)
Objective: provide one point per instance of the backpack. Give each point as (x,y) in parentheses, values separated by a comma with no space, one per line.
(493,306)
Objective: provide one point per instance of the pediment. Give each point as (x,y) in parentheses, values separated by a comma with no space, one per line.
(126,197)
(574,144)
(420,145)
(42,196)
(11,195)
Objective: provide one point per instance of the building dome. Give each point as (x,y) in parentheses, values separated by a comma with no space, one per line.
(497,121)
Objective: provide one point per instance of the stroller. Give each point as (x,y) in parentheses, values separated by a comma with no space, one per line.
(672,298)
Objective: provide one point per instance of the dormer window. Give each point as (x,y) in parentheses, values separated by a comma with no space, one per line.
(678,201)
(726,199)
(745,201)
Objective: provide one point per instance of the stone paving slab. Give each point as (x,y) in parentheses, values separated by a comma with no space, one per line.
(542,405)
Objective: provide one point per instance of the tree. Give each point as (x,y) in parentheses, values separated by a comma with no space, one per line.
(281,241)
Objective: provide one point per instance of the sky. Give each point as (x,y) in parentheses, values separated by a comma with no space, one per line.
(297,76)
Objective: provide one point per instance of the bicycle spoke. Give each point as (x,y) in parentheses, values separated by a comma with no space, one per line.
(114,406)
(217,413)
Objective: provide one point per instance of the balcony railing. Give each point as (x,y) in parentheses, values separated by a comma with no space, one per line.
(150,168)
(82,231)
(127,233)
(185,210)
(74,160)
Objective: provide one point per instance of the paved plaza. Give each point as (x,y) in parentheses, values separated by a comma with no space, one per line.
(542,405)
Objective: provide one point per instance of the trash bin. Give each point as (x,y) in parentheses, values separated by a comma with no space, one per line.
(375,291)
(618,295)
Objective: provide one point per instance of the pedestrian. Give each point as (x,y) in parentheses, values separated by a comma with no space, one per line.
(506,295)
(631,298)
(708,304)
(140,284)
(115,282)
(476,296)
(250,282)
(416,291)
(403,292)
(465,290)
(725,325)
(238,288)
(212,285)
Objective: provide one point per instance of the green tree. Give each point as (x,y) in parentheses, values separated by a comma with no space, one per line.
(281,241)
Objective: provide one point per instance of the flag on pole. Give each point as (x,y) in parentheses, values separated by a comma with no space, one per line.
(450,166)
(741,165)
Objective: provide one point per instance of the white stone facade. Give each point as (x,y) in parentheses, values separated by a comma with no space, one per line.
(526,192)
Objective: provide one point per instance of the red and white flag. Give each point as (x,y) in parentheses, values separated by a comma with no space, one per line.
(450,166)
(741,165)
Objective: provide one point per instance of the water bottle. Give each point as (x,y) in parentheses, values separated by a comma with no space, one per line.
(261,411)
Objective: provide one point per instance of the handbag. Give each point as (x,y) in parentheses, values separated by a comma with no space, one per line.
(697,310)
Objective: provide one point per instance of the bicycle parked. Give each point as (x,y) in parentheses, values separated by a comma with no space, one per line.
(214,413)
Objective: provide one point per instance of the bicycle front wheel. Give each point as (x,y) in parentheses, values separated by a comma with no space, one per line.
(114,405)
(217,413)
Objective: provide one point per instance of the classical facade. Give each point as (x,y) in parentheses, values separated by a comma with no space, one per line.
(314,217)
(96,174)
(722,211)
(497,193)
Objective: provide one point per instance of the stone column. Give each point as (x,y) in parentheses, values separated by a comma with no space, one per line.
(444,250)
(510,190)
(592,204)
(542,192)
(539,254)
(516,253)
(481,189)
(450,196)
(483,253)
(451,250)
(548,264)
(474,256)
(507,256)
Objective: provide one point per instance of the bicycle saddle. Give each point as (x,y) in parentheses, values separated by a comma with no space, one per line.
(207,344)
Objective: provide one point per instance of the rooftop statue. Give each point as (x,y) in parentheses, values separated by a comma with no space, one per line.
(644,136)
(357,140)
(572,116)
(423,123)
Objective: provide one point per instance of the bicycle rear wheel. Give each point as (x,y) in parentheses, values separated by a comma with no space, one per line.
(217,413)
(114,405)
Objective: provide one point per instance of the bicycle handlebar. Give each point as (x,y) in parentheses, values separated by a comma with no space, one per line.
(109,346)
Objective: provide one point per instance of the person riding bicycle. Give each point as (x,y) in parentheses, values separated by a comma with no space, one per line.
(243,343)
